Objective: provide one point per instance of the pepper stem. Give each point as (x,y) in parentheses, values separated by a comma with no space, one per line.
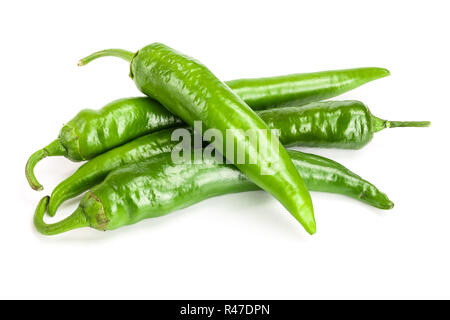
(74,221)
(397,124)
(380,124)
(53,149)
(120,53)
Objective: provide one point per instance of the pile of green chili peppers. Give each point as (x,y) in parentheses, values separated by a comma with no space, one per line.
(130,173)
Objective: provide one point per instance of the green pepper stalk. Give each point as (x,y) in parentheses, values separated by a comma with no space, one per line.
(328,124)
(55,148)
(380,124)
(159,186)
(93,132)
(74,221)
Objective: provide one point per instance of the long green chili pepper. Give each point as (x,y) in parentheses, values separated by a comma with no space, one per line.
(93,132)
(159,186)
(300,89)
(190,90)
(343,124)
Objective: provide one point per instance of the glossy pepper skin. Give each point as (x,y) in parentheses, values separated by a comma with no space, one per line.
(159,186)
(345,124)
(190,90)
(93,132)
(303,88)
(342,124)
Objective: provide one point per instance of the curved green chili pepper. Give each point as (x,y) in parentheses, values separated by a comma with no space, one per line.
(190,90)
(159,186)
(342,124)
(93,132)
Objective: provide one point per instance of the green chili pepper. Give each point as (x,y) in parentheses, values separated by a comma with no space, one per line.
(330,124)
(190,90)
(300,89)
(343,124)
(93,132)
(159,186)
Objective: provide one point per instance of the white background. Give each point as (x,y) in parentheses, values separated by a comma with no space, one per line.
(245,245)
